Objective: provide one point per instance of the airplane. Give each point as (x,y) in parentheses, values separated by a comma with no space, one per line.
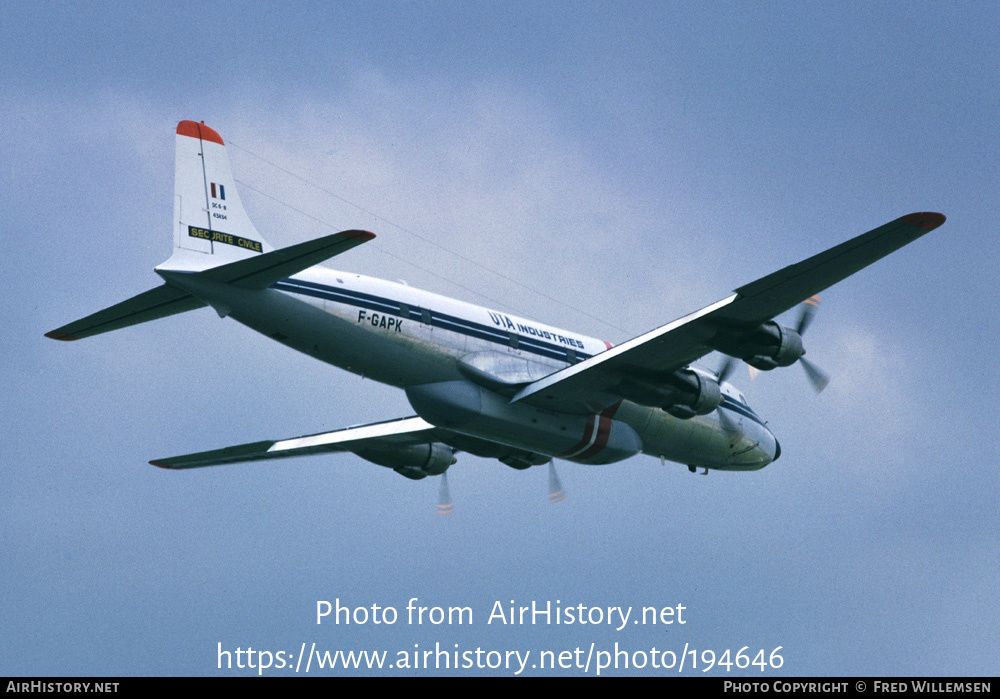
(482,381)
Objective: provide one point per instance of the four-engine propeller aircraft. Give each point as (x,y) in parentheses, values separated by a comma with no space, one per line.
(481,381)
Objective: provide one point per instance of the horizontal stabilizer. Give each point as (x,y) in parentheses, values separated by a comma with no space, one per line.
(402,432)
(156,303)
(261,271)
(252,273)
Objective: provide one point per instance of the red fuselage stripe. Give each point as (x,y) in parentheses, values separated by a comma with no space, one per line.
(582,444)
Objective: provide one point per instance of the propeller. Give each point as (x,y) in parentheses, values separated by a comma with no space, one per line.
(811,304)
(556,491)
(445,505)
(727,423)
(725,369)
(817,377)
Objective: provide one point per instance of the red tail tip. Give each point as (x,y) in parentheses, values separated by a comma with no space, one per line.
(196,129)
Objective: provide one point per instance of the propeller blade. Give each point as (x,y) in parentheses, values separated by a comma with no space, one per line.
(725,369)
(729,426)
(809,308)
(445,505)
(753,372)
(817,377)
(556,491)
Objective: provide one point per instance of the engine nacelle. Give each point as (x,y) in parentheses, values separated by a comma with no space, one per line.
(705,394)
(414,461)
(684,394)
(475,411)
(784,349)
(524,460)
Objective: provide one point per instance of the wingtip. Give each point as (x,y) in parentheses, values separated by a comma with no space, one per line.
(162,464)
(928,220)
(363,236)
(56,335)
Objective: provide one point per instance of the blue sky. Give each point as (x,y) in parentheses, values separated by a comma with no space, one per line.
(632,162)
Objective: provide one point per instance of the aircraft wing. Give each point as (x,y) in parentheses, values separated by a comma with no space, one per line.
(410,446)
(596,382)
(389,435)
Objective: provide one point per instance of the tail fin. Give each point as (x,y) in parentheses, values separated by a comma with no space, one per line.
(211,232)
(211,227)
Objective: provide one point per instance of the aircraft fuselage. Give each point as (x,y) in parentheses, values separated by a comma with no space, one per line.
(455,360)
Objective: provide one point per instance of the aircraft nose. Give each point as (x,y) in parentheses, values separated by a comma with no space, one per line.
(777,450)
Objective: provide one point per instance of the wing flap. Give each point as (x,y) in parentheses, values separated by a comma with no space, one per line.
(592,382)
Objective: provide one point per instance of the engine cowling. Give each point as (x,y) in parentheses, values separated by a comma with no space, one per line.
(703,393)
(523,460)
(414,461)
(783,347)
(683,394)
